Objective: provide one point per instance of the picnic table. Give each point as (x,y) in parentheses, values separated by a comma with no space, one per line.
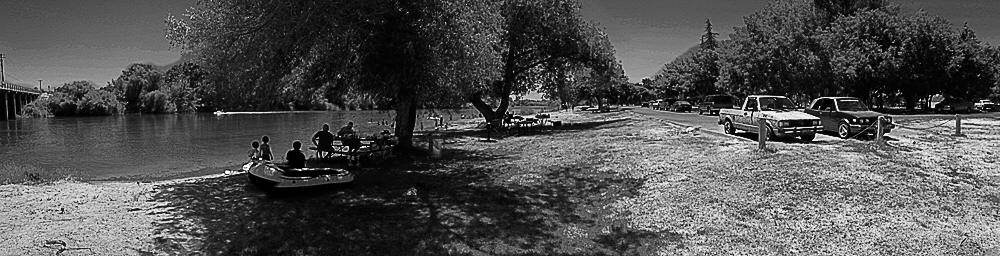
(338,148)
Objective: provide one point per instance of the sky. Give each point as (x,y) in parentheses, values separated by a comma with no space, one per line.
(59,41)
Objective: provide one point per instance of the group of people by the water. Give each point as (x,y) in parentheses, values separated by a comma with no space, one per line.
(262,151)
(323,140)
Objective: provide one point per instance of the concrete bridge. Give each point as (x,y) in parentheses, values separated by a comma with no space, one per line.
(13,98)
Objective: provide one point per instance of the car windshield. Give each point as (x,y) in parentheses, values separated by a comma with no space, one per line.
(776,104)
(851,105)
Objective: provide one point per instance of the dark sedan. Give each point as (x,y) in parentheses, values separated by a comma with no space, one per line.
(953,105)
(847,116)
(681,106)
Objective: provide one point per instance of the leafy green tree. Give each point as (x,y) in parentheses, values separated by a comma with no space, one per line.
(695,72)
(866,52)
(135,81)
(81,98)
(973,68)
(535,34)
(183,83)
(776,52)
(926,57)
(830,10)
(265,54)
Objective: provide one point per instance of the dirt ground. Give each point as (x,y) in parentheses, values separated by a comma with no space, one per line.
(605,184)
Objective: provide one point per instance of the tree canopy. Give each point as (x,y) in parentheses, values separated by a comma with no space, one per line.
(404,54)
(862,48)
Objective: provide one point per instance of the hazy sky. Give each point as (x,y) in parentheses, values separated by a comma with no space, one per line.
(60,41)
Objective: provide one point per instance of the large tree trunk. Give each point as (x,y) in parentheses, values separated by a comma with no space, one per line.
(911,101)
(493,116)
(406,118)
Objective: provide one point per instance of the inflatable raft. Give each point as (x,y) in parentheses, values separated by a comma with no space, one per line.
(269,175)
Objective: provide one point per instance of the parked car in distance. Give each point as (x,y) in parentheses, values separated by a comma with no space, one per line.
(954,105)
(656,104)
(986,105)
(778,113)
(681,106)
(711,104)
(847,116)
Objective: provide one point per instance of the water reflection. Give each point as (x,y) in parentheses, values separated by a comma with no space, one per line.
(165,145)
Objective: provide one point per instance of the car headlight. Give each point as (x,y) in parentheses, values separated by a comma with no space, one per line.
(783,124)
(816,123)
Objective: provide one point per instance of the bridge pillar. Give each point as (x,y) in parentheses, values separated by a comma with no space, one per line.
(13,106)
(3,105)
(18,103)
(9,102)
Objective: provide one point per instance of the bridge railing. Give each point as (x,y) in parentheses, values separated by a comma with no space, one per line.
(18,88)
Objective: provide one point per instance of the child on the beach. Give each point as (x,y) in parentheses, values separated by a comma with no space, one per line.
(265,149)
(254,152)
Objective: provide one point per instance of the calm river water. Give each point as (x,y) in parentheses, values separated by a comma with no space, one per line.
(150,146)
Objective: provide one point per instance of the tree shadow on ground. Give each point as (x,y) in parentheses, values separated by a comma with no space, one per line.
(508,132)
(455,206)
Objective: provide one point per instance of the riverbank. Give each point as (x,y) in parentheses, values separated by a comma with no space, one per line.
(616,183)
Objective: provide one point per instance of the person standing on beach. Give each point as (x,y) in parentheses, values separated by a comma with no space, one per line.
(265,149)
(295,157)
(323,139)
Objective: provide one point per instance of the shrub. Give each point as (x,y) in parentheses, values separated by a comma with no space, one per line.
(157,102)
(80,99)
(36,109)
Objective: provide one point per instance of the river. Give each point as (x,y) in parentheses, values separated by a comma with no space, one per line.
(137,147)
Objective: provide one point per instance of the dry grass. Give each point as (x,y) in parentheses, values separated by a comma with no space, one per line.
(719,196)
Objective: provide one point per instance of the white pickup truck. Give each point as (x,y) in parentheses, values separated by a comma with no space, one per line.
(779,114)
(986,105)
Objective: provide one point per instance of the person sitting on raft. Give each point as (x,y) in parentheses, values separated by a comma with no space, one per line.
(295,157)
(323,139)
(254,152)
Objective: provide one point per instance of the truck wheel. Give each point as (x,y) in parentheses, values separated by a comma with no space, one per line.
(844,131)
(728,127)
(808,137)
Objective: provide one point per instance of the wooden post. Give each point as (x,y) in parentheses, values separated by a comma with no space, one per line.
(489,129)
(880,132)
(958,125)
(430,142)
(762,134)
